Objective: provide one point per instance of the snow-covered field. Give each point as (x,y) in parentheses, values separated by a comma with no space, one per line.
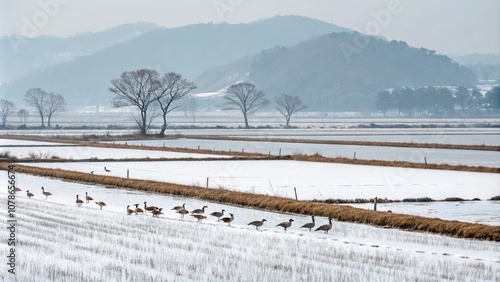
(419,155)
(321,181)
(312,180)
(85,152)
(465,136)
(58,241)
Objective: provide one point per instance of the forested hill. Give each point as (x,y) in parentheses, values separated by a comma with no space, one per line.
(339,71)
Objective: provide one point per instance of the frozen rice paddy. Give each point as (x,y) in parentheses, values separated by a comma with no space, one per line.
(59,241)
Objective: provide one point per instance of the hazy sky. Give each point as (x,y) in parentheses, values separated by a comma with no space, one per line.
(447,26)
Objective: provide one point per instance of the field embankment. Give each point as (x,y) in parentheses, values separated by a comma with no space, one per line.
(341,213)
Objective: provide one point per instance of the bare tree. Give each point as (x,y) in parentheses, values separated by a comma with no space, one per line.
(172,88)
(37,98)
(55,103)
(289,105)
(192,107)
(246,98)
(137,88)
(7,108)
(23,116)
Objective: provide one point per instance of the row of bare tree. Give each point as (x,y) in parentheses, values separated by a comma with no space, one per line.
(46,104)
(155,94)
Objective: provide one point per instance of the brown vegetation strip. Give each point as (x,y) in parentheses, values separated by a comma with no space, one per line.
(349,142)
(341,213)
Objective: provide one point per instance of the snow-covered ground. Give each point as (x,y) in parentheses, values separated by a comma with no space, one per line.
(84,152)
(53,150)
(325,181)
(419,155)
(312,180)
(58,241)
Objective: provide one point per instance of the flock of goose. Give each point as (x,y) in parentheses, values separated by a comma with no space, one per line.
(197,213)
(79,201)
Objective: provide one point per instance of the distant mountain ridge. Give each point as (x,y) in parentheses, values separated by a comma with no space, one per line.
(319,71)
(22,56)
(188,50)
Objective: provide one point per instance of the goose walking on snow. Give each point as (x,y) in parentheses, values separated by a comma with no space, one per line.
(286,224)
(47,194)
(218,214)
(325,227)
(130,211)
(257,223)
(178,208)
(202,210)
(29,194)
(199,217)
(228,220)
(79,202)
(88,198)
(309,225)
(182,212)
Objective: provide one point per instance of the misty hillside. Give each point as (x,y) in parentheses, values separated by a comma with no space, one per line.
(22,56)
(188,50)
(485,66)
(474,59)
(319,71)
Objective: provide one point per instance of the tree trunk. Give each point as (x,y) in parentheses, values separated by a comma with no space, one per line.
(48,120)
(246,120)
(164,126)
(143,121)
(288,121)
(41,116)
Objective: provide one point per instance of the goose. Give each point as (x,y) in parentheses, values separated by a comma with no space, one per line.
(47,194)
(309,225)
(182,212)
(78,201)
(150,208)
(17,190)
(106,170)
(157,212)
(199,217)
(178,208)
(92,172)
(228,220)
(88,198)
(138,209)
(202,210)
(286,224)
(129,211)
(325,227)
(29,194)
(257,223)
(101,204)
(218,214)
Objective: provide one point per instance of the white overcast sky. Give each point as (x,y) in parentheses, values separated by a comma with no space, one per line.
(447,26)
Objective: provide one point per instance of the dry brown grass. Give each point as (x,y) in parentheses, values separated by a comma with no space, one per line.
(341,213)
